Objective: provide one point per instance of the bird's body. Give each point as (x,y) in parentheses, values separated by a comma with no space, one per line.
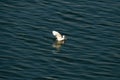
(58,36)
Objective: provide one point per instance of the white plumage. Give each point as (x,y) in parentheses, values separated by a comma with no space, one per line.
(58,36)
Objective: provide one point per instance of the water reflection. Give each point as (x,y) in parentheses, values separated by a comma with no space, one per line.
(58,44)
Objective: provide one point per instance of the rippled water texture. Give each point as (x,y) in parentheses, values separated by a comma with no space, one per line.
(29,51)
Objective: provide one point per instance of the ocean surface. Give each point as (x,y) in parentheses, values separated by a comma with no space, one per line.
(29,51)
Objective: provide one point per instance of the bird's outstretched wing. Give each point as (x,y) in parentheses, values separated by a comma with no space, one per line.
(57,34)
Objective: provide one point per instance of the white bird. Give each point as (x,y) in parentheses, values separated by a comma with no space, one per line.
(58,36)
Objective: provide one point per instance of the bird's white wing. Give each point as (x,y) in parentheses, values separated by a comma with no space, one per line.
(57,34)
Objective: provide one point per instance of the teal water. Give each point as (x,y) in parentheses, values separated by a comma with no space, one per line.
(90,52)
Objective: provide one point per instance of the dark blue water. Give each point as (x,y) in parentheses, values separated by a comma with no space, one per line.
(28,50)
